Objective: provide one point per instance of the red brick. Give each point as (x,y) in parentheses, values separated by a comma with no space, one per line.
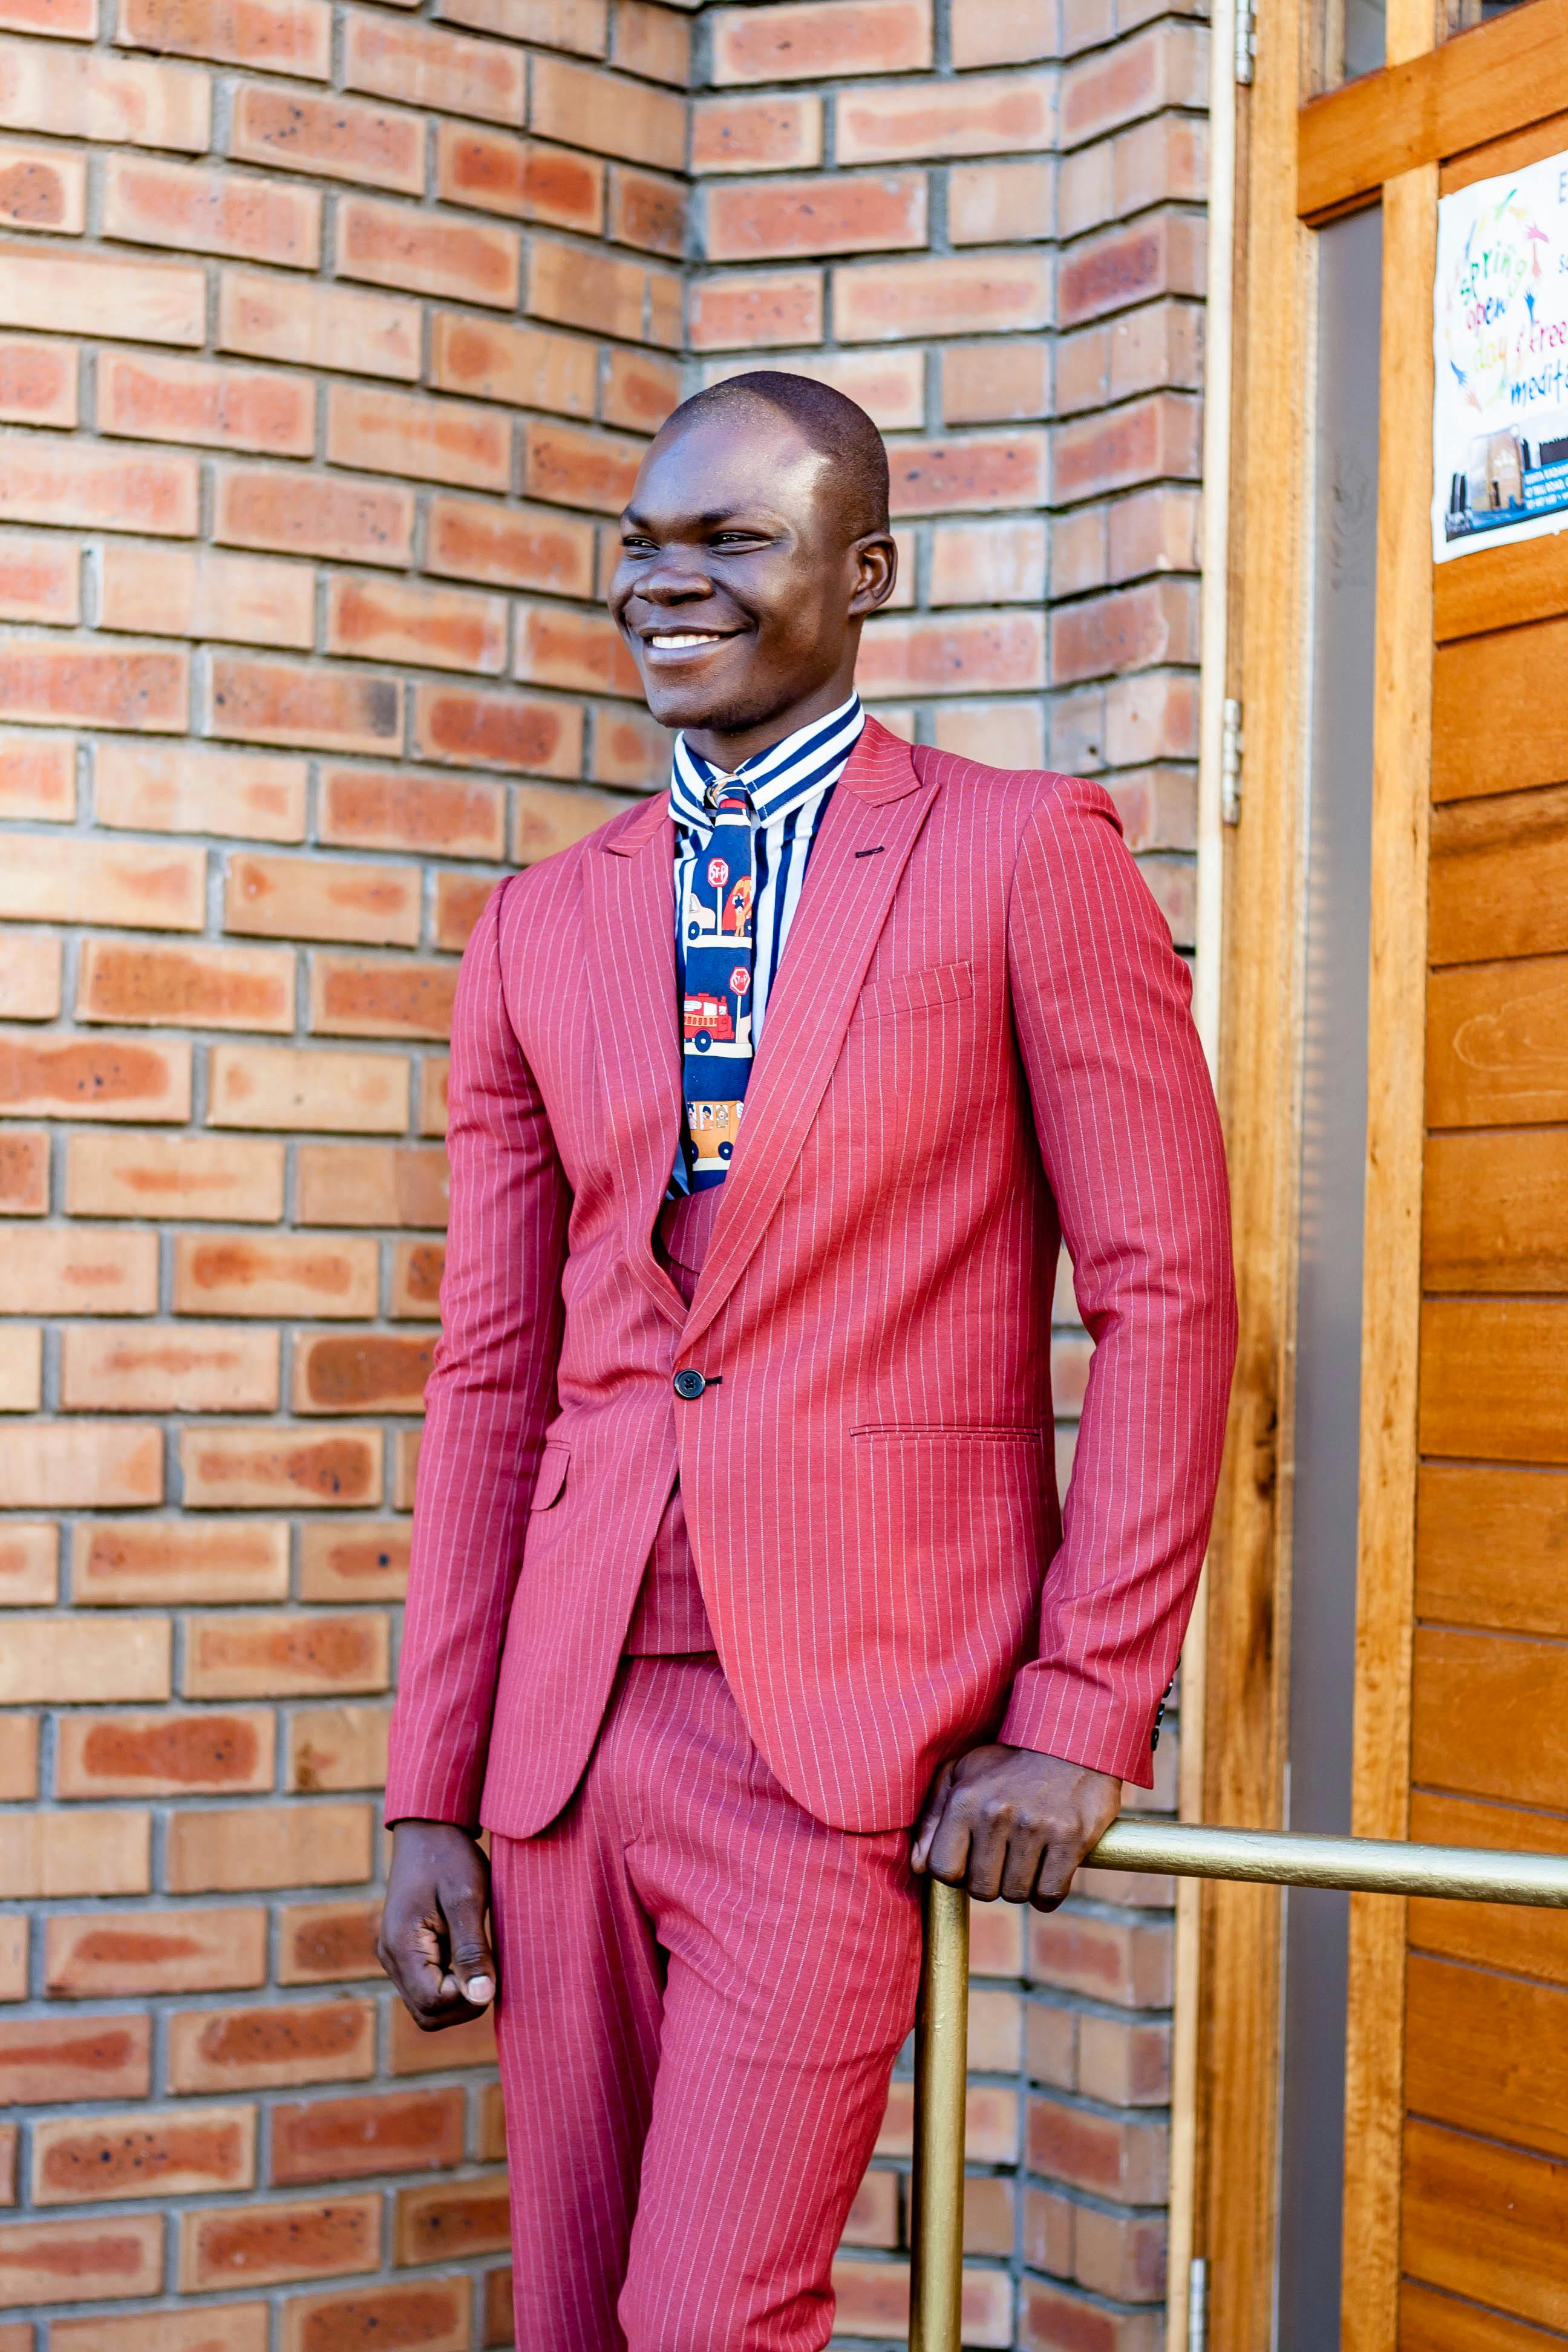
(815,39)
(66,20)
(78,1270)
(283,1845)
(337,2139)
(362,522)
(629,748)
(97,685)
(474,540)
(247,1469)
(368,808)
(322,899)
(264,2244)
(371,146)
(604,293)
(286,36)
(321,1943)
(94,488)
(654,42)
(414,2052)
(80,1466)
(324,326)
(497,731)
(755,135)
(647,211)
(350,1094)
(779,220)
(434,1071)
(1000,470)
(1121,2156)
(93,1078)
(211,212)
(994,383)
(40,189)
(526,366)
(284,703)
(29,1566)
(40,580)
(581,106)
(1165,65)
(279,2045)
(25,1174)
(990,2127)
(199,1177)
(192,400)
(75,2262)
(640,390)
(1154,717)
(1163,254)
(162,1560)
(460,901)
(18,1785)
(1000,32)
(564,463)
(301,1654)
(372,1372)
(432,2316)
(337,1748)
(740,310)
(181,591)
(984,651)
(1158,436)
(435,440)
(118,1369)
(194,987)
(1134,628)
(993,204)
(390,244)
(371,1184)
(110,1956)
(891,301)
(21,1368)
(424,65)
(499,2316)
(167,2153)
(1153,530)
(102,1755)
(364,1561)
(211,2327)
(1053,2317)
(1009,114)
(452,2219)
(1050,2044)
(520,178)
(38,382)
(275,1274)
(417,1271)
(1127,1962)
(46,2060)
(123,101)
(29,976)
(581,652)
(351,996)
(397,621)
(48,1854)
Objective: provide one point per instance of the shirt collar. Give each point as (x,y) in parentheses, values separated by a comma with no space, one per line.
(780,780)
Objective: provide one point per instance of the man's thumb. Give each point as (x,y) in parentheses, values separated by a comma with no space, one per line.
(471,1961)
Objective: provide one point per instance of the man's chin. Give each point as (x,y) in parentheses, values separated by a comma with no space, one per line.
(704,706)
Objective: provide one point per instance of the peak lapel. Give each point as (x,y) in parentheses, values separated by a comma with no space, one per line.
(879,806)
(629,889)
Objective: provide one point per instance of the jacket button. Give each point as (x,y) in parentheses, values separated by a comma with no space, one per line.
(689,1384)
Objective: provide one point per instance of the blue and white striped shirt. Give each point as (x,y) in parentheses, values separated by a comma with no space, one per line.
(788,785)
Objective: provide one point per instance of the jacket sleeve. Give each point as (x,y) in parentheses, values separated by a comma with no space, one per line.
(491,1395)
(1130,1138)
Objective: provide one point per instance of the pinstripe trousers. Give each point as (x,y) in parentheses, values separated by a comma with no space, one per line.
(703,1990)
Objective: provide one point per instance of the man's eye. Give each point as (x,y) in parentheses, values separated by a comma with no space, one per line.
(736,539)
(636,546)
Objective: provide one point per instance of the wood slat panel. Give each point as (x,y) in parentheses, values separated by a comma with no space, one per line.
(1490,1716)
(1494,1379)
(1500,587)
(1491,1550)
(1508,154)
(1497,1043)
(1494,80)
(1500,878)
(1487,2053)
(1430,2322)
(1495,1214)
(1487,2221)
(1499,716)
(1514,1937)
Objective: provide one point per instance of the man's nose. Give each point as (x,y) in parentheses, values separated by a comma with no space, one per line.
(675,579)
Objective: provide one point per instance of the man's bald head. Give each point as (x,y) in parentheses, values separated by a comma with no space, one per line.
(832,423)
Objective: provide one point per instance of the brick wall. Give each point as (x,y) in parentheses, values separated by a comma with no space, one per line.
(328,335)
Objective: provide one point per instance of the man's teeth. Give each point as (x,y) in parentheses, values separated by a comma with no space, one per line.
(686,637)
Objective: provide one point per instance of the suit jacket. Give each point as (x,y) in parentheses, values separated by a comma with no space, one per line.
(979,1043)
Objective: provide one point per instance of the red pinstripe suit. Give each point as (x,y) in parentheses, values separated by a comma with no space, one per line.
(979,1043)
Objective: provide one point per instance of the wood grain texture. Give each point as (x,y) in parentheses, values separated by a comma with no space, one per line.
(1496,1211)
(1500,718)
(1494,1379)
(1497,1044)
(1510,153)
(1487,2053)
(1487,2221)
(1514,1937)
(1493,80)
(1429,2322)
(1491,1550)
(1390,1282)
(1500,878)
(1490,1716)
(1498,587)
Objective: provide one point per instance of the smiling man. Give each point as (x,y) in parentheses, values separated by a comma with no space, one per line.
(741,1591)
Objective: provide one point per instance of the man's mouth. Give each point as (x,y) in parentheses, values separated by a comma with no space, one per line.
(679,641)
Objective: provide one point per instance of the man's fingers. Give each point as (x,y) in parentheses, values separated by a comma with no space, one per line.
(471,1964)
(931,1814)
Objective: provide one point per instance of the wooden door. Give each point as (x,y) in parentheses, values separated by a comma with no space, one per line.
(1455,2213)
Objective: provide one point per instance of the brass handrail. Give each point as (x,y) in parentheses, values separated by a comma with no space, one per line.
(1177,1849)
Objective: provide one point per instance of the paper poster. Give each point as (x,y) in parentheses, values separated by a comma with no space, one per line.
(1500,438)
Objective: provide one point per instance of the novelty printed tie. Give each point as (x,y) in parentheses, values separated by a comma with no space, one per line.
(716,1017)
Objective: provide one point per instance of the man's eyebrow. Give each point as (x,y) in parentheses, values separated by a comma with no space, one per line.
(633,519)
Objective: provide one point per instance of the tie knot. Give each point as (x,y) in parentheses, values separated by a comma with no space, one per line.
(727,793)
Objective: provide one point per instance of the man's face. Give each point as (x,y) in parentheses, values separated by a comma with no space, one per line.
(737,589)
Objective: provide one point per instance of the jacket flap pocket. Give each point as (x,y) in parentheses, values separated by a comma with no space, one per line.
(911,992)
(552,1477)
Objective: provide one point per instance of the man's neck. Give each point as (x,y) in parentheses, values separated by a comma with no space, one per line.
(727,751)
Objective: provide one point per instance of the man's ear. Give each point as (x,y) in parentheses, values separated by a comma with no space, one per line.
(877,572)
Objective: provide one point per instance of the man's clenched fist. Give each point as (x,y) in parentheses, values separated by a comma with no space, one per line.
(433,1943)
(1005,1820)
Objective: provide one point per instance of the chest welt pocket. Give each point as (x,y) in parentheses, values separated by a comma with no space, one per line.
(917,991)
(551,1478)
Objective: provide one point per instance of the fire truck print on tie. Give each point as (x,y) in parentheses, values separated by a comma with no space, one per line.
(716,1024)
